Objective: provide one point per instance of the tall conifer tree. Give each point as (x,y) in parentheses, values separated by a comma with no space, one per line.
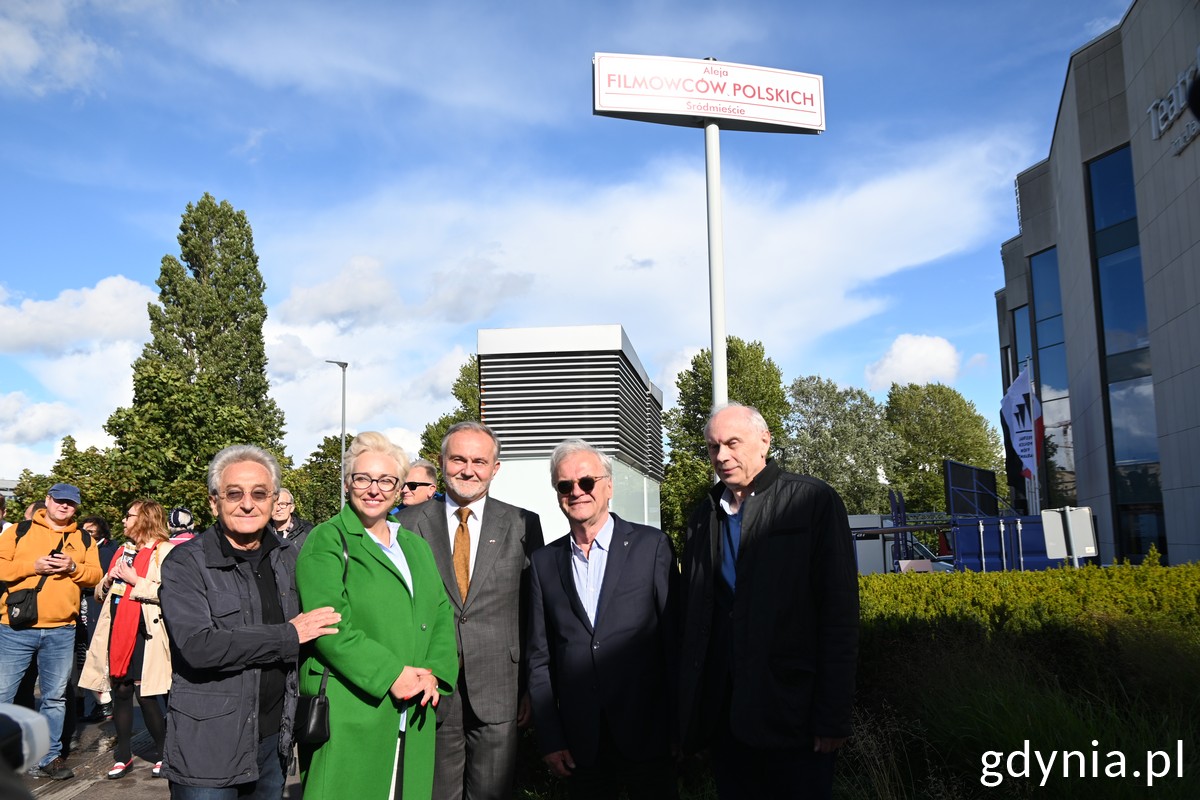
(201,381)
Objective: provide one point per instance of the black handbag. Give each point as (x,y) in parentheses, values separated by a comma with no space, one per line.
(312,711)
(23,605)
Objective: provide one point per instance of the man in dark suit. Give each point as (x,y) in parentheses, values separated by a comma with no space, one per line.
(600,636)
(482,548)
(769,613)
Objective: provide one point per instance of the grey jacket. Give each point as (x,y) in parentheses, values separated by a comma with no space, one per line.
(491,623)
(213,612)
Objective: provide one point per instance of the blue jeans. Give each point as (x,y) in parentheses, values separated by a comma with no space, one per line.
(269,785)
(54,649)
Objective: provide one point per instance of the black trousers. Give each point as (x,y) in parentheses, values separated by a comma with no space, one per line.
(743,772)
(653,779)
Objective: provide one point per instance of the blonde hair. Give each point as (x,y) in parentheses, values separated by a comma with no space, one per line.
(149,524)
(374,442)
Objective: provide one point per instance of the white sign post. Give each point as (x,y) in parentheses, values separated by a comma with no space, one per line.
(709,94)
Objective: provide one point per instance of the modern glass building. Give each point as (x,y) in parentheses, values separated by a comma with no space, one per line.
(1101,292)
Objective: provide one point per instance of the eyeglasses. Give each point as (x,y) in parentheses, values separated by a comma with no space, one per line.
(283,504)
(412,486)
(586,484)
(235,495)
(130,515)
(361,480)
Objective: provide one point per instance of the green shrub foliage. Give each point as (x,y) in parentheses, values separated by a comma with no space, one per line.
(953,665)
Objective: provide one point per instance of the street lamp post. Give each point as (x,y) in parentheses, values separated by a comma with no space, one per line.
(343,365)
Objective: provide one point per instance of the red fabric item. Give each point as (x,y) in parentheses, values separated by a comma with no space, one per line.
(127,620)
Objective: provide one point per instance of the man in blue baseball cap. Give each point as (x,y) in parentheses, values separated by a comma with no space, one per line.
(49,556)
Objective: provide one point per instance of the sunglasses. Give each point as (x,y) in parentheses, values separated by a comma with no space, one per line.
(412,486)
(586,484)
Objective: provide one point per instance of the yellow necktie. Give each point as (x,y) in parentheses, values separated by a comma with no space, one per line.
(462,553)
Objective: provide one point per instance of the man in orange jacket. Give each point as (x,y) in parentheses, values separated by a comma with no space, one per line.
(49,555)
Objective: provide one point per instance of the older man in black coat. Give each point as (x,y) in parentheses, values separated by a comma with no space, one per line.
(769,620)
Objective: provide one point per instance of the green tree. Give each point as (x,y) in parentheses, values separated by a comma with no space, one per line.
(842,437)
(466,392)
(934,422)
(316,485)
(755,380)
(30,488)
(102,487)
(200,384)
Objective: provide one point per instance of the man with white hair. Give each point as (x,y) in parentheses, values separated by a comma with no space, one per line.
(600,640)
(769,614)
(233,616)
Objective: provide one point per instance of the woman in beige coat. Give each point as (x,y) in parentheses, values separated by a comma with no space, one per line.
(130,654)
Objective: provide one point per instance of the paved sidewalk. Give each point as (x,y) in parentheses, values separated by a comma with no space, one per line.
(91,760)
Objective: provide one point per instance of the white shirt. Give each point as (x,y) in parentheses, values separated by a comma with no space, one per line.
(474,521)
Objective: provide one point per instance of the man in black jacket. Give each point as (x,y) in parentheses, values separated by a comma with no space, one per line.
(769,612)
(230,604)
(286,522)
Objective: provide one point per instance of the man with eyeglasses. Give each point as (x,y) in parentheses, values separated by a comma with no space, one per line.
(229,600)
(601,640)
(482,547)
(49,555)
(420,485)
(286,522)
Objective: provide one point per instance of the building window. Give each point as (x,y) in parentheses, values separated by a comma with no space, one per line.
(1022,339)
(1123,301)
(1133,435)
(1059,452)
(1112,189)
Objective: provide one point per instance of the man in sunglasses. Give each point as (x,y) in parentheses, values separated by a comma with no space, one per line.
(420,485)
(482,547)
(769,620)
(229,599)
(286,522)
(601,639)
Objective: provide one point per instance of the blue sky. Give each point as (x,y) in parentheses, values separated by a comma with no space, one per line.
(416,172)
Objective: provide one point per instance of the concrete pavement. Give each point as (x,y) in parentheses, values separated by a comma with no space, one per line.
(93,757)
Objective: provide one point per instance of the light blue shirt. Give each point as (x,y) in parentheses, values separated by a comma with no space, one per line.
(588,570)
(395,555)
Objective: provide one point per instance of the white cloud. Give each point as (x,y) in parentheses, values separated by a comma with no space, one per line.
(112,311)
(358,294)
(914,358)
(26,423)
(42,52)
(399,282)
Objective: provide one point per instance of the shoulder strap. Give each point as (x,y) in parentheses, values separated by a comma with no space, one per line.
(23,528)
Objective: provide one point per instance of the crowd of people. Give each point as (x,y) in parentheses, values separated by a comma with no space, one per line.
(399,651)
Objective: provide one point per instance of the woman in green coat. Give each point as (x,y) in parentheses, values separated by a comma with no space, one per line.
(394,653)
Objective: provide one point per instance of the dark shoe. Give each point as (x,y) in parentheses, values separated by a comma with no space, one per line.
(100,712)
(57,770)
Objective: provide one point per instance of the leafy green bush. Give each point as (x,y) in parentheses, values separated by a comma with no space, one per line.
(956,665)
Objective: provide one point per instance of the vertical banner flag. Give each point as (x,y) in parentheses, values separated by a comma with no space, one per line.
(1023,415)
